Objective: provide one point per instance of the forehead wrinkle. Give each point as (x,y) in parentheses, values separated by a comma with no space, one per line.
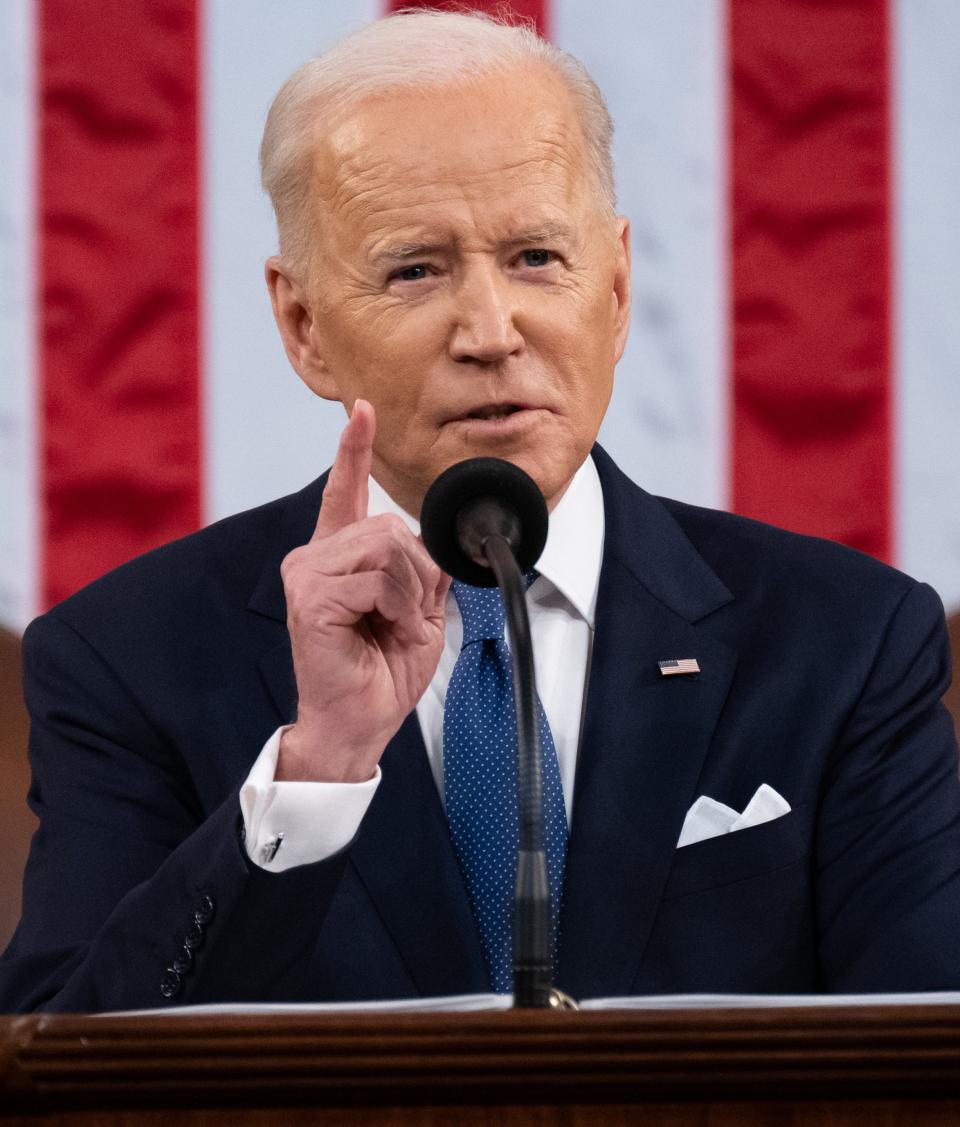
(351,180)
(360,158)
(398,183)
(435,215)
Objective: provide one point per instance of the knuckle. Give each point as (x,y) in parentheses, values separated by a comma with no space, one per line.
(393,539)
(395,527)
(289,563)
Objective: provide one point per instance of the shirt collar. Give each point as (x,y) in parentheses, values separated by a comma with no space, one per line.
(573,553)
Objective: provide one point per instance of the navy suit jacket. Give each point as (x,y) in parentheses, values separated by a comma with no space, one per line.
(153,690)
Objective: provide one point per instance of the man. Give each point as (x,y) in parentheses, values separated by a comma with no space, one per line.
(452,270)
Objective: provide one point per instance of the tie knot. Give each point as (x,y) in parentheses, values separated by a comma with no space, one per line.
(481,609)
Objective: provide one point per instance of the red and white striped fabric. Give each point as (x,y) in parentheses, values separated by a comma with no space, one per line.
(791,171)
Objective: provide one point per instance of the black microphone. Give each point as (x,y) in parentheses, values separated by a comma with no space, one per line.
(474,500)
(484,521)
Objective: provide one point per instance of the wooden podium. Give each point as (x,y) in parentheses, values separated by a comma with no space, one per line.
(876,1065)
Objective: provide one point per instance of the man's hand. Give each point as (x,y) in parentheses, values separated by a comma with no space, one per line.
(365,611)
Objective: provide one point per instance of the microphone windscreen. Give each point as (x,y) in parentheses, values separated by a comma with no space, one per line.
(474,480)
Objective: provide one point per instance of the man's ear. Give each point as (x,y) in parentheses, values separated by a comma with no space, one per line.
(621,288)
(296,319)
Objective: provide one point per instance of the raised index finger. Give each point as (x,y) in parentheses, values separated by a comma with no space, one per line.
(345,495)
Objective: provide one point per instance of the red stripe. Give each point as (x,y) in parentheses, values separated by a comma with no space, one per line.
(118,260)
(535,10)
(810,267)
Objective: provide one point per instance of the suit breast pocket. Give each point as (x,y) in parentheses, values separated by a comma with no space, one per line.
(741,855)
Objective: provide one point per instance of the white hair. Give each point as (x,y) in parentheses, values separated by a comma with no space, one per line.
(414,48)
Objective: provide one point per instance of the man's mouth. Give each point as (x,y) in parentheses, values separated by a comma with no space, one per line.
(494,411)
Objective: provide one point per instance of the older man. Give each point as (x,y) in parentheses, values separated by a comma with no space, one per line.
(239,748)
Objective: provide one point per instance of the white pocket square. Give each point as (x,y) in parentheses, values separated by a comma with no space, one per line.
(708,818)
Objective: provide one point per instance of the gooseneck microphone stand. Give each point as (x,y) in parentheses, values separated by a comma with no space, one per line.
(531,904)
(484,521)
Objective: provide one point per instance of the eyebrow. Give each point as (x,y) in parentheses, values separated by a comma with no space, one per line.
(544,233)
(410,251)
(404,252)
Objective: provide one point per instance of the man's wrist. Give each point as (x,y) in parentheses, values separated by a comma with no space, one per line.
(306,757)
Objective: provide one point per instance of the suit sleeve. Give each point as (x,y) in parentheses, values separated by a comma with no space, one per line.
(134,896)
(888,839)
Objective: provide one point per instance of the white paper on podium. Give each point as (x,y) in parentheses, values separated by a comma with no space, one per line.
(766,1001)
(479,1003)
(455,1003)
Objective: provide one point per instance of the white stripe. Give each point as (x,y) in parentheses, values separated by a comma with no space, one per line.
(19,505)
(927,256)
(661,67)
(265,433)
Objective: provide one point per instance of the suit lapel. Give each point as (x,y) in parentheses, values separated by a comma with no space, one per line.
(645,736)
(276,669)
(405,858)
(268,600)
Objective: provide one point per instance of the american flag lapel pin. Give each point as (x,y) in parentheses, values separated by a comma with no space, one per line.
(678,666)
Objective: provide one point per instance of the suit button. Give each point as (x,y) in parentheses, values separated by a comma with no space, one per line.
(194,937)
(170,983)
(183,962)
(206,911)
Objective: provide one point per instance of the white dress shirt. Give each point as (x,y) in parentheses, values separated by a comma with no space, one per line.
(294,823)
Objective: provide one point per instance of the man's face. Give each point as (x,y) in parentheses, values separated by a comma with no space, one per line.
(465,280)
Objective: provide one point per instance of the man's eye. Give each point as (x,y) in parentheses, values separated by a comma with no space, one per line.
(412,273)
(537,257)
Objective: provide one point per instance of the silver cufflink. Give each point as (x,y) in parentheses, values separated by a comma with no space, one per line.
(270,849)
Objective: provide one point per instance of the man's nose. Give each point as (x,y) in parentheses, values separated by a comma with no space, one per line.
(484,320)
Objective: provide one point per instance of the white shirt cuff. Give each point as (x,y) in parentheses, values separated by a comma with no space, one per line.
(288,824)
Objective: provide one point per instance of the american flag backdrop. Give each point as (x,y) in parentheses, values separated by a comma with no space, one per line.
(791,169)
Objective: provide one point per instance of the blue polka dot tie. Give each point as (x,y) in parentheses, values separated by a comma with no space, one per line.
(480,779)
